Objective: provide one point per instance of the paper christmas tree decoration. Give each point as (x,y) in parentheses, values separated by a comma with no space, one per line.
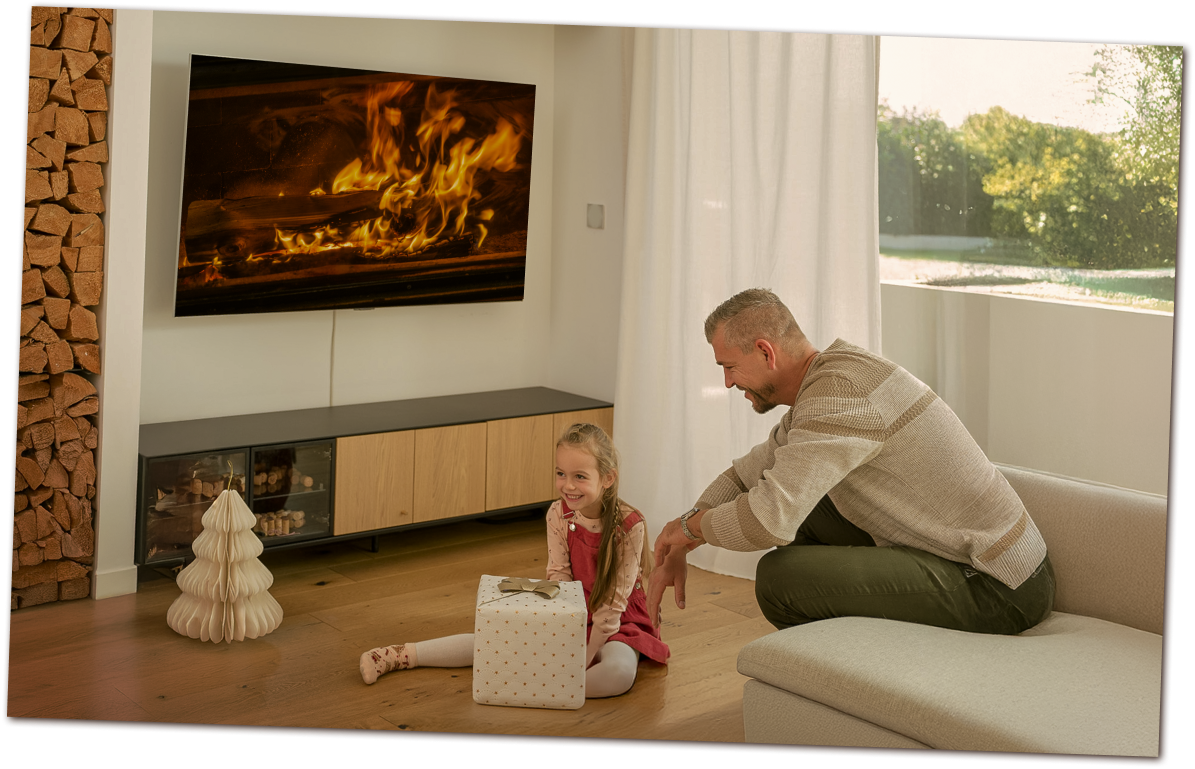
(225,589)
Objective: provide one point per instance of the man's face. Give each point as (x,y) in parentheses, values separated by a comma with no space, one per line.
(748,371)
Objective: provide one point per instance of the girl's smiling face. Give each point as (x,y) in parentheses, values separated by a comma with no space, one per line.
(578,482)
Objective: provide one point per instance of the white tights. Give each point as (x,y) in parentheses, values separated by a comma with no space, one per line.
(612,673)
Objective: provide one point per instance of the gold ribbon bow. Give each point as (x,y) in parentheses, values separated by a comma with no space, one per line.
(548,588)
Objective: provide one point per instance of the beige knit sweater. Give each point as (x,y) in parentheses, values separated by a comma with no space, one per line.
(894,459)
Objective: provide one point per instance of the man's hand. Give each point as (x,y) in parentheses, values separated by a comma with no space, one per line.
(671,551)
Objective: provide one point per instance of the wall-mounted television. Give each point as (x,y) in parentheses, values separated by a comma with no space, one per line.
(314,188)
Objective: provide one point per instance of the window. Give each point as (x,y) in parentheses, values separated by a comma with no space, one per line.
(1038,169)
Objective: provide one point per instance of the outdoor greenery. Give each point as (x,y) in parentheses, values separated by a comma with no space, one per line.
(1074,198)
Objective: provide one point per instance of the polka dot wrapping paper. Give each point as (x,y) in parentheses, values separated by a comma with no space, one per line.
(529,650)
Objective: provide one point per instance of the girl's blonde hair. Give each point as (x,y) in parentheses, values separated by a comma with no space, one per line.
(593,439)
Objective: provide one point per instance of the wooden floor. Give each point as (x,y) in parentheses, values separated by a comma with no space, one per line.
(117,660)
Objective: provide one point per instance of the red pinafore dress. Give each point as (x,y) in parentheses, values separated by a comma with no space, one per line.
(636,629)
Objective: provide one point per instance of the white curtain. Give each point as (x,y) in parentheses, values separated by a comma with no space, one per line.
(751,162)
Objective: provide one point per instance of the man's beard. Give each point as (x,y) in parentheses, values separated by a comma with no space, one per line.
(763,402)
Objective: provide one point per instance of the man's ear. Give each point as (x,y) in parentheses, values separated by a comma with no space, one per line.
(769,352)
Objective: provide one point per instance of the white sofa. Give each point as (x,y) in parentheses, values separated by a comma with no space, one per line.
(1087,680)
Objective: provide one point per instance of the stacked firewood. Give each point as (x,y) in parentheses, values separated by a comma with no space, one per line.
(70,69)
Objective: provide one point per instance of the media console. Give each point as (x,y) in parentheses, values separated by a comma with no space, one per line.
(346,472)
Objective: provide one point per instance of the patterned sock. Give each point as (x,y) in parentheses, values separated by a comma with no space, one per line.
(383,659)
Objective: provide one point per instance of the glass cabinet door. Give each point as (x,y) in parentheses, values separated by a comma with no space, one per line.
(177,491)
(291,492)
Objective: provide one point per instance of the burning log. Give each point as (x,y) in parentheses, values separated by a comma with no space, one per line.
(236,229)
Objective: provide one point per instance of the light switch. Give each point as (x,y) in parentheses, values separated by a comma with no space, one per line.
(595,216)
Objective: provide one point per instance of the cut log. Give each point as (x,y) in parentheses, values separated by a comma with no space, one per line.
(52,548)
(33,476)
(105,14)
(39,92)
(81,327)
(45,527)
(68,389)
(84,425)
(36,160)
(54,25)
(35,575)
(236,229)
(70,258)
(68,569)
(77,34)
(86,287)
(33,390)
(86,230)
(59,357)
(101,41)
(42,242)
(43,121)
(92,153)
(38,496)
(30,317)
(37,35)
(57,311)
(43,457)
(26,523)
(41,14)
(91,259)
(31,555)
(92,439)
(33,358)
(60,510)
(102,71)
(87,356)
(60,185)
(85,176)
(46,592)
(51,219)
(31,212)
(78,63)
(97,122)
(61,93)
(89,405)
(52,148)
(32,286)
(78,542)
(56,476)
(42,257)
(42,332)
(74,589)
(45,63)
(22,416)
(56,282)
(86,202)
(20,503)
(37,436)
(39,410)
(37,185)
(68,455)
(65,430)
(70,126)
(90,95)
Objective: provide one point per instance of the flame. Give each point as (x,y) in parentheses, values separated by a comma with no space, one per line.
(432,184)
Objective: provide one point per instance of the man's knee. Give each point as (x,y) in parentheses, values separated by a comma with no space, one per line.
(772,574)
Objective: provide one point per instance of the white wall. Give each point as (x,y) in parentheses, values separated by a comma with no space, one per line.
(227,365)
(589,167)
(1077,390)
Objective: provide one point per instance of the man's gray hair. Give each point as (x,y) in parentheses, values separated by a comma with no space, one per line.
(753,314)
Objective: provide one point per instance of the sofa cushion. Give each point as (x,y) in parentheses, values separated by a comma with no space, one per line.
(1107,544)
(1072,684)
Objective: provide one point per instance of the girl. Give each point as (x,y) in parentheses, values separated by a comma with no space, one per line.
(594,537)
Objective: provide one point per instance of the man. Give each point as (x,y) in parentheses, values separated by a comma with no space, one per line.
(877,499)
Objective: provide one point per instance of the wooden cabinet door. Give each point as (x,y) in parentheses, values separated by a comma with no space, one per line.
(374,475)
(603,418)
(450,471)
(520,456)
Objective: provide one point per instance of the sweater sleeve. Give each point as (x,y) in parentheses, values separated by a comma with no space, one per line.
(832,429)
(607,618)
(559,567)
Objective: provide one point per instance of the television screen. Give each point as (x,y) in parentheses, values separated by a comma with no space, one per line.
(315,188)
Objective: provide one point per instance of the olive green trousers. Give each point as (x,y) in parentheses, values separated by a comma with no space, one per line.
(834,569)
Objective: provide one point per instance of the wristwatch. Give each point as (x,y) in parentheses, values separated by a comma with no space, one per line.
(684,524)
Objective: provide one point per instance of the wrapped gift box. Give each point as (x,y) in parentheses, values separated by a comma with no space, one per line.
(529,650)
